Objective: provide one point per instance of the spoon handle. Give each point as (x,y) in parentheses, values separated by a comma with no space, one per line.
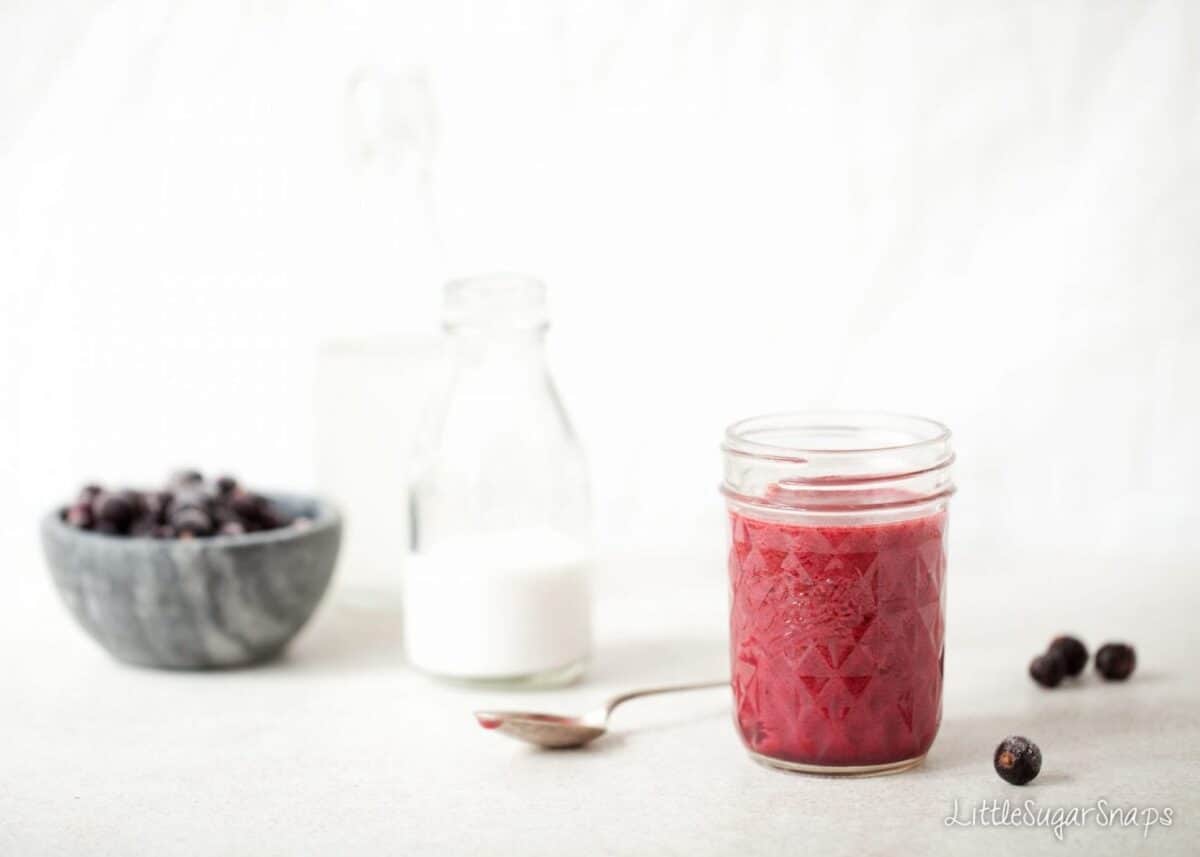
(652,691)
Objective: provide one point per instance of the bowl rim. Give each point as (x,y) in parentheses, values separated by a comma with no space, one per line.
(328,516)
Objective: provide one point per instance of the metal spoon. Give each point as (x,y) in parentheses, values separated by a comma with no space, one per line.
(558,732)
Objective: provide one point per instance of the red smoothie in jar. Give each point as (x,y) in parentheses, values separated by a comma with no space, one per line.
(837,638)
(837,567)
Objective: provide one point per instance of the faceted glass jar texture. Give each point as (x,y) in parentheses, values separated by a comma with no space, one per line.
(837,564)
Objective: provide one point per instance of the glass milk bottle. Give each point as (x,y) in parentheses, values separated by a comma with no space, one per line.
(497,589)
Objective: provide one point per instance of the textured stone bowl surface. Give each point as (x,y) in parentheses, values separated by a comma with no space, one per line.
(208,603)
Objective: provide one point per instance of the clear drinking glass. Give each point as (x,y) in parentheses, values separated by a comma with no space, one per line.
(497,589)
(372,395)
(837,568)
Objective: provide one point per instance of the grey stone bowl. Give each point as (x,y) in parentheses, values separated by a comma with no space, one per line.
(225,601)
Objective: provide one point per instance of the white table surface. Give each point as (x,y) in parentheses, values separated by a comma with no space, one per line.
(340,750)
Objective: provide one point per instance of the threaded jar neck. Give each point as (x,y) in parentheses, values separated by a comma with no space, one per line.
(837,462)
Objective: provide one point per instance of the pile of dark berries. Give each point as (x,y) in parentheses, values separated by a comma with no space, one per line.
(1017,760)
(188,507)
(1067,657)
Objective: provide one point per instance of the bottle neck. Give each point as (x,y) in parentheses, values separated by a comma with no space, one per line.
(505,350)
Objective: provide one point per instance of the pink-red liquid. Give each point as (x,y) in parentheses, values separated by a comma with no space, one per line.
(837,638)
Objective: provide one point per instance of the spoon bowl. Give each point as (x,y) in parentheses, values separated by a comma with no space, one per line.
(545,730)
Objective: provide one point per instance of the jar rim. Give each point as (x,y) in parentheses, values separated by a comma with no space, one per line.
(745,437)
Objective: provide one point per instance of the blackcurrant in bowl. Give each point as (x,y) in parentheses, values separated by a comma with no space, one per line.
(226,599)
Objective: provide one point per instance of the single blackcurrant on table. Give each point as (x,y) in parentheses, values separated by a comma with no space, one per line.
(1074,653)
(1017,760)
(1116,661)
(1048,669)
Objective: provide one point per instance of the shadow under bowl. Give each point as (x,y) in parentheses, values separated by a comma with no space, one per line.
(225,601)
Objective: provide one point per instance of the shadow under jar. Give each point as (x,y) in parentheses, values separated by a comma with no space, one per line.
(837,565)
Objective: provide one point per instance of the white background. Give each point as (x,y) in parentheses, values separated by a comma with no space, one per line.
(987,213)
(984,212)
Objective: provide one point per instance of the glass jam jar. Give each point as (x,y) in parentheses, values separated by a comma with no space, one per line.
(837,566)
